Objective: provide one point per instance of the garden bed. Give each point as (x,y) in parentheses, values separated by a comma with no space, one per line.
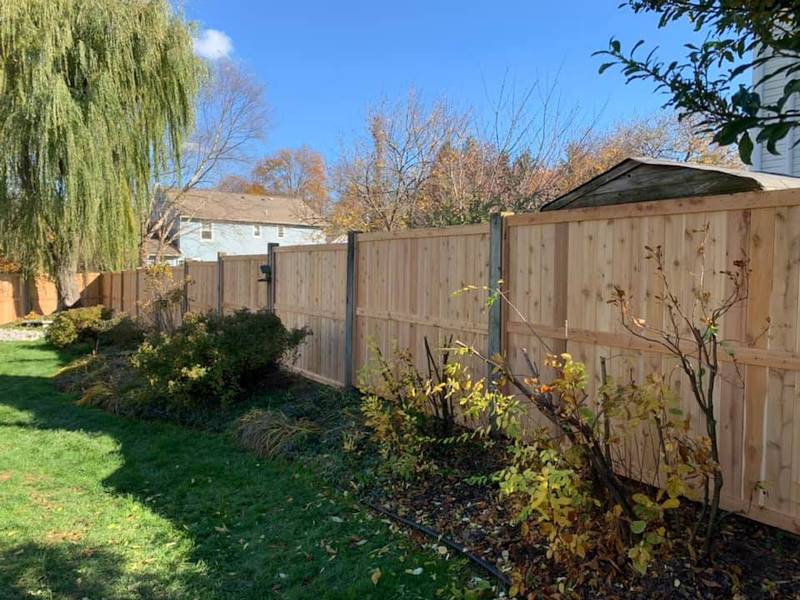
(752,560)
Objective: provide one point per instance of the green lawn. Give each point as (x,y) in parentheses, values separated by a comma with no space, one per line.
(96,506)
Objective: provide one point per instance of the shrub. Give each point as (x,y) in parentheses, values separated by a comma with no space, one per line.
(95,325)
(209,360)
(252,344)
(121,332)
(412,417)
(76,325)
(568,487)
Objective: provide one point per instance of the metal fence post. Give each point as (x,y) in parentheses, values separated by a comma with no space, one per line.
(220,283)
(350,312)
(495,341)
(272,279)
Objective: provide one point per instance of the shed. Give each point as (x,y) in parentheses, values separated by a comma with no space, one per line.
(642,179)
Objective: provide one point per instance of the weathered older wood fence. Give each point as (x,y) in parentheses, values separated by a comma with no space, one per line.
(559,268)
(19,298)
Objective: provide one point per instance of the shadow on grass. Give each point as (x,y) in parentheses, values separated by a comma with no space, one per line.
(70,571)
(257,529)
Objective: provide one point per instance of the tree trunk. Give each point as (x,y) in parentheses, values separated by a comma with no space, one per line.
(69,293)
(143,253)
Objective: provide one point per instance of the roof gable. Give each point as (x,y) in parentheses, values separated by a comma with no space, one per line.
(233,207)
(643,179)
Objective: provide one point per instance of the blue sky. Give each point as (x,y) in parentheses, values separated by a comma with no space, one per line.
(325,63)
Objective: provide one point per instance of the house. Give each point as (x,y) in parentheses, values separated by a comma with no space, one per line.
(205,223)
(787,161)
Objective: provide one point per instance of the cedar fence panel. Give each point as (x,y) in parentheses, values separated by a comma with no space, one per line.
(406,286)
(203,291)
(11,298)
(597,250)
(241,286)
(310,291)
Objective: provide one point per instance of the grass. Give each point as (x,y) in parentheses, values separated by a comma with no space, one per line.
(96,506)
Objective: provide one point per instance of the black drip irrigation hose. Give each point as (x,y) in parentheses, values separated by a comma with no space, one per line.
(432,533)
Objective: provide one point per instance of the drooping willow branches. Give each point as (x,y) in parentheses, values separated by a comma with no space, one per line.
(95,97)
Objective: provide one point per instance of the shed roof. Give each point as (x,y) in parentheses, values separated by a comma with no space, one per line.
(641,179)
(213,205)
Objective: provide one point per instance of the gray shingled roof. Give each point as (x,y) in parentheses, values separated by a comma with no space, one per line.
(641,179)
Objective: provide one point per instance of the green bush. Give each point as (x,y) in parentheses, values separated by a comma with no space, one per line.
(253,343)
(77,325)
(209,360)
(120,332)
(96,325)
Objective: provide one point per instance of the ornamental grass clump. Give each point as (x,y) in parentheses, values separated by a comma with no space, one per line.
(269,433)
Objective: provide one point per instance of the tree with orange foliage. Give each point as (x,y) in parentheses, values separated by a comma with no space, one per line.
(239,185)
(298,172)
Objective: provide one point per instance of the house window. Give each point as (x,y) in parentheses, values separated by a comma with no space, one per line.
(281,231)
(206,231)
(257,231)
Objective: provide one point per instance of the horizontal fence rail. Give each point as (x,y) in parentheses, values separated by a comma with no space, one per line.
(559,269)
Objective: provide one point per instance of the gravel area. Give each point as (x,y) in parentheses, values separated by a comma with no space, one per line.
(20,335)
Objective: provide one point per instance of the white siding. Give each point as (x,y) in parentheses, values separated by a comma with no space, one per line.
(787,162)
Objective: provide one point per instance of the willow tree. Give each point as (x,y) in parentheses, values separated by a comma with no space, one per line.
(95,99)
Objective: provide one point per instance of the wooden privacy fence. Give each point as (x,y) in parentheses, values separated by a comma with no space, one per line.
(560,268)
(227,284)
(19,298)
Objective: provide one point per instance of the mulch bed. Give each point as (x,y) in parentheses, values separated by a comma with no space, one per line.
(751,560)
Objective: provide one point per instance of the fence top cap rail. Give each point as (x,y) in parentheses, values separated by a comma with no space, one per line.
(654,208)
(229,257)
(310,248)
(478,229)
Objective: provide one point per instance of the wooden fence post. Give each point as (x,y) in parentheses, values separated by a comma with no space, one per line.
(272,280)
(122,291)
(137,292)
(220,284)
(185,304)
(350,311)
(495,338)
(25,291)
